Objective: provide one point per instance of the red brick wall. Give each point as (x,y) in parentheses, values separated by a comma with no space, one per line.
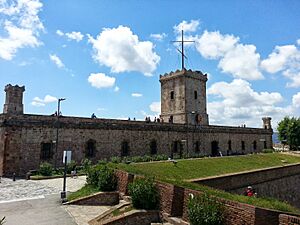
(171,198)
(173,201)
(124,179)
(288,220)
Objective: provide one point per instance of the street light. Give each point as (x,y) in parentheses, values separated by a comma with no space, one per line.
(57,128)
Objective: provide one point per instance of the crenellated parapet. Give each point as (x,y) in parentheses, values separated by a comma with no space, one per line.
(187,73)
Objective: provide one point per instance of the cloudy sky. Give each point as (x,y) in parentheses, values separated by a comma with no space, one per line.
(105,57)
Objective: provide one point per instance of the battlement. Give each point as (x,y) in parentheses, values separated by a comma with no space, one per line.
(10,87)
(187,73)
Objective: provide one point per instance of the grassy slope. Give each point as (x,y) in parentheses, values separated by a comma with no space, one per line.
(197,168)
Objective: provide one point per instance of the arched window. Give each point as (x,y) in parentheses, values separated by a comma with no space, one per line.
(254,145)
(229,145)
(197,146)
(124,149)
(243,145)
(153,147)
(195,94)
(172,94)
(46,151)
(90,148)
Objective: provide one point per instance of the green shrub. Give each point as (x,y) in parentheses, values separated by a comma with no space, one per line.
(71,166)
(106,179)
(86,165)
(102,177)
(46,169)
(205,210)
(267,151)
(93,175)
(159,157)
(144,194)
(115,159)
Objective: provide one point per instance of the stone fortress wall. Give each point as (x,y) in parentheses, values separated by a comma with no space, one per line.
(22,138)
(27,140)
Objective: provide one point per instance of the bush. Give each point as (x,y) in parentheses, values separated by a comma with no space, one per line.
(267,151)
(115,159)
(93,175)
(46,169)
(205,210)
(102,177)
(71,166)
(107,179)
(86,165)
(144,194)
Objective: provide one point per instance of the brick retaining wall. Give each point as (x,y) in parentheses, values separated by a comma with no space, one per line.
(174,202)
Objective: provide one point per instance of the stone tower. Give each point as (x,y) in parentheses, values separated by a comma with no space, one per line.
(267,123)
(14,99)
(183,97)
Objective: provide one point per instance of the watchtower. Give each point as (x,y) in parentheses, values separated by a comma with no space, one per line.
(13,99)
(267,123)
(183,97)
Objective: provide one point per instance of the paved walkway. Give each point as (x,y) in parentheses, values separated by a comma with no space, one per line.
(27,202)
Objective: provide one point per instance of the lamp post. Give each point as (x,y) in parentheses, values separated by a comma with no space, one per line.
(57,128)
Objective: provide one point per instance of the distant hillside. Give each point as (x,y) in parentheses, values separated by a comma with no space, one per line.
(275,138)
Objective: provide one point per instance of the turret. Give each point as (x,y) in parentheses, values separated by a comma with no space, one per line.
(267,122)
(13,100)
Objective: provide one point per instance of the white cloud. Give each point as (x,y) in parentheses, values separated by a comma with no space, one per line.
(213,45)
(21,25)
(116,89)
(191,26)
(296,100)
(54,58)
(77,36)
(279,58)
(240,60)
(286,59)
(237,103)
(158,37)
(121,50)
(100,80)
(60,33)
(42,102)
(298,42)
(137,95)
(74,35)
(155,107)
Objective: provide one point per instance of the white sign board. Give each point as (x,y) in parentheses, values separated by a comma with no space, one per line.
(68,154)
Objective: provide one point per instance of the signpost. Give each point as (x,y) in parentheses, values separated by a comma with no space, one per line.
(66,159)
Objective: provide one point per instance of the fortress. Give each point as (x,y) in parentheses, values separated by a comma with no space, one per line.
(27,140)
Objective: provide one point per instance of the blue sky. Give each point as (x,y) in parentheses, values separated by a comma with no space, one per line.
(106,56)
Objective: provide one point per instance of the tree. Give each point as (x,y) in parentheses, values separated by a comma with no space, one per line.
(289,132)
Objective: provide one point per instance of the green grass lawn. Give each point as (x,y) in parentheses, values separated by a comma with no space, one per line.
(198,168)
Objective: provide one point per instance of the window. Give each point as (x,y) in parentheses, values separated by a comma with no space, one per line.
(90,148)
(197,146)
(195,94)
(265,144)
(153,147)
(229,145)
(243,145)
(124,149)
(172,95)
(254,145)
(175,147)
(46,151)
(171,119)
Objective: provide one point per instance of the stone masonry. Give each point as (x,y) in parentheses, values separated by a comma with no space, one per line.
(27,140)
